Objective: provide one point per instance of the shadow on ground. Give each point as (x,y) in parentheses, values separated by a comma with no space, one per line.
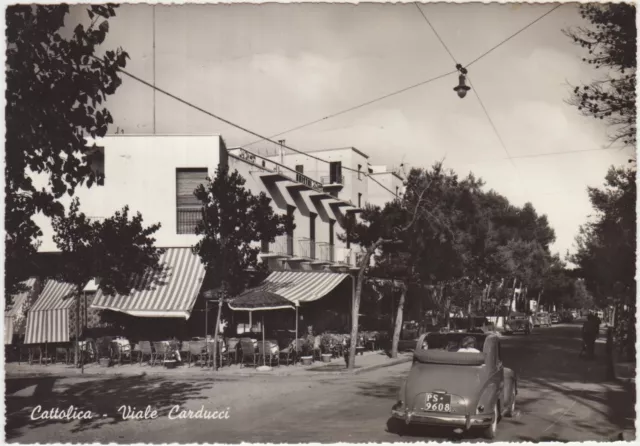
(101,396)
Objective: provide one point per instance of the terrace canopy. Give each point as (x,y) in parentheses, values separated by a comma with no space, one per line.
(17,304)
(301,286)
(48,318)
(170,292)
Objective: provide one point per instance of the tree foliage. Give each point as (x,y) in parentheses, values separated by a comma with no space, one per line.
(55,96)
(114,249)
(234,222)
(606,246)
(610,40)
(470,244)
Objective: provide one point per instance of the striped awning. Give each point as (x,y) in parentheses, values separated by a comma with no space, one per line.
(15,309)
(8,330)
(18,300)
(48,318)
(302,286)
(171,292)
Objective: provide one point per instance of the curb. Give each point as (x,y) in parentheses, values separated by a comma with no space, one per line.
(208,374)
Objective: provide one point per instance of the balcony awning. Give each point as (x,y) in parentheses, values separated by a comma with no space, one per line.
(17,303)
(171,292)
(260,300)
(48,318)
(301,286)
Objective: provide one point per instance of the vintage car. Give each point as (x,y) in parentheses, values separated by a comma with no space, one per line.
(518,323)
(555,318)
(458,389)
(542,320)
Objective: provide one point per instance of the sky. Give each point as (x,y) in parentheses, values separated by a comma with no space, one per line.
(273,67)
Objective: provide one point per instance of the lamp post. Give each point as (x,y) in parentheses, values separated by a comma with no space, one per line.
(462,87)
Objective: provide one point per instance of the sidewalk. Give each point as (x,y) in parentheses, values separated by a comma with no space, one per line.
(364,363)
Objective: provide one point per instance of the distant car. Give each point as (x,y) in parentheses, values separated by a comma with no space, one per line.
(458,389)
(542,320)
(475,323)
(518,323)
(574,313)
(555,318)
(566,317)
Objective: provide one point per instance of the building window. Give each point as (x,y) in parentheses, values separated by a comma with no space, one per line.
(312,235)
(397,190)
(188,207)
(359,171)
(359,199)
(299,174)
(335,172)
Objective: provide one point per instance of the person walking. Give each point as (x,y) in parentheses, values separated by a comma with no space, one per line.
(590,331)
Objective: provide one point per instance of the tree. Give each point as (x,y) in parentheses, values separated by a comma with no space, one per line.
(55,96)
(611,43)
(116,250)
(606,246)
(379,228)
(233,222)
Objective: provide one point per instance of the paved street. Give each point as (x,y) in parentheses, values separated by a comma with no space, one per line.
(561,398)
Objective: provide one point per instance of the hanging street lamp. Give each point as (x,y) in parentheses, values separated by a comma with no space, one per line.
(462,87)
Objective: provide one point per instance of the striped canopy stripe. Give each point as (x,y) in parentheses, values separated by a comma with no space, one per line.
(171,292)
(302,286)
(48,318)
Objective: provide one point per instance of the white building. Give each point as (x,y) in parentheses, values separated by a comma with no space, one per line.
(156,176)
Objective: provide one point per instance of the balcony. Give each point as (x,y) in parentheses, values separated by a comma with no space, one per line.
(187,220)
(281,247)
(276,169)
(332,182)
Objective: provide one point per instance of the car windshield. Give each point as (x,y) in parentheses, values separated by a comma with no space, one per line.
(453,342)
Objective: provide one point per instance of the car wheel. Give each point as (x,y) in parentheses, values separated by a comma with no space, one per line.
(511,411)
(396,426)
(490,431)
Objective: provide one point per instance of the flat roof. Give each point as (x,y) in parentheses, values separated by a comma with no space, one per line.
(338,148)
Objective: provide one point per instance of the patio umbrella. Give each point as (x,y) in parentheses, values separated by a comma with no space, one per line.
(260,300)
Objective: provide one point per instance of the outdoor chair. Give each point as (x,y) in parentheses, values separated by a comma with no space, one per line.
(122,352)
(288,355)
(184,350)
(317,352)
(249,355)
(64,352)
(265,355)
(144,349)
(298,344)
(233,345)
(35,353)
(197,350)
(159,351)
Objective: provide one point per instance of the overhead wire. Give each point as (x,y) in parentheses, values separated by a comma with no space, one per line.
(364,104)
(232,124)
(513,35)
(279,143)
(333,115)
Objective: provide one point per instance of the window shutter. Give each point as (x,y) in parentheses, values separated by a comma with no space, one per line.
(187,180)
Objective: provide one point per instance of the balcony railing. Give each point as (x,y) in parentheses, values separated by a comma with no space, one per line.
(306,248)
(271,166)
(187,219)
(282,246)
(332,180)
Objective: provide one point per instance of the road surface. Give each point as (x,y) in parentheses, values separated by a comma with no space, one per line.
(561,398)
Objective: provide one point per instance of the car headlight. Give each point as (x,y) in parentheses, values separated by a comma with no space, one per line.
(480,409)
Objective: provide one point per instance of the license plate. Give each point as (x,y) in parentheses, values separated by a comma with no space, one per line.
(436,402)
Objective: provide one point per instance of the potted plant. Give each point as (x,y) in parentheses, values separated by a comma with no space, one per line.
(103,347)
(171,360)
(326,346)
(307,351)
